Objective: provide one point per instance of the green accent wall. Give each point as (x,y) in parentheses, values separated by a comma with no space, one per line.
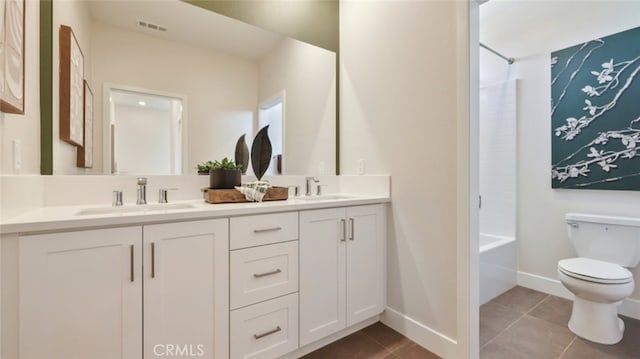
(315,22)
(46,87)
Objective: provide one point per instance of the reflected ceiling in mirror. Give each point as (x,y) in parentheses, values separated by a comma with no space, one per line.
(224,70)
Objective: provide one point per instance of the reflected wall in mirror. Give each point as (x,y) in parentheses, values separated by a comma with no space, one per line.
(143,130)
(224,72)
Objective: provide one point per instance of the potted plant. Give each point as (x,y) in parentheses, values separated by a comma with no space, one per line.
(204,167)
(224,174)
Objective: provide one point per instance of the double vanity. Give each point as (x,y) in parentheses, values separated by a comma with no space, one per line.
(190,279)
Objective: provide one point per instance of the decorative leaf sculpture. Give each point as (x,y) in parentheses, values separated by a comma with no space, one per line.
(242,154)
(261,152)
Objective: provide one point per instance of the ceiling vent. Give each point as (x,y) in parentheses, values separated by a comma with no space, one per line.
(152,26)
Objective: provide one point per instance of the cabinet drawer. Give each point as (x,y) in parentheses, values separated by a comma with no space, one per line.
(250,231)
(265,330)
(262,273)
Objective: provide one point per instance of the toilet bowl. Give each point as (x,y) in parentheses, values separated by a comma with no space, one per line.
(599,287)
(606,246)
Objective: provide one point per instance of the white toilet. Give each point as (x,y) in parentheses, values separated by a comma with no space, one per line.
(597,278)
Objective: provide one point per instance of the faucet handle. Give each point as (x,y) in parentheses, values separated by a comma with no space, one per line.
(296,191)
(162,194)
(319,189)
(141,180)
(117,199)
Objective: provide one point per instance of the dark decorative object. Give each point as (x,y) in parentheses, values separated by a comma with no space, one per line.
(242,154)
(261,152)
(224,175)
(279,164)
(224,179)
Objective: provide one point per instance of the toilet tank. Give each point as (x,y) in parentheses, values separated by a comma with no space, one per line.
(607,238)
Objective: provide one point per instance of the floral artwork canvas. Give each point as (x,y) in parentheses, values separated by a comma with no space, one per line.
(595,114)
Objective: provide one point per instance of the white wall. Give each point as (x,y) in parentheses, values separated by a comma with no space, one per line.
(76,15)
(399,111)
(25,128)
(136,125)
(221,90)
(529,31)
(307,74)
(498,159)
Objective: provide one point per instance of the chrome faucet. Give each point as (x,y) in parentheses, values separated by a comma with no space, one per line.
(117,199)
(142,190)
(308,180)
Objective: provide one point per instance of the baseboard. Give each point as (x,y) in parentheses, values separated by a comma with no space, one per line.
(429,338)
(630,307)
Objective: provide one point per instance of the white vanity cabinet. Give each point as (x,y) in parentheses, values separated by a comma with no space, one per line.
(264,285)
(185,285)
(342,268)
(81,294)
(259,286)
(90,294)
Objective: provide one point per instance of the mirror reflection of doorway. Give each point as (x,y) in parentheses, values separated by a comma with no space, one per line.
(272,113)
(145,131)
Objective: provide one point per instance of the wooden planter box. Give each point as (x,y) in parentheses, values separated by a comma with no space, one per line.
(234,196)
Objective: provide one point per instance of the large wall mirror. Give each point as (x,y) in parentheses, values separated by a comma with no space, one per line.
(175,84)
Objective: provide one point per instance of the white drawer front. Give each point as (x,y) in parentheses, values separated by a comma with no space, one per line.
(262,273)
(265,330)
(250,231)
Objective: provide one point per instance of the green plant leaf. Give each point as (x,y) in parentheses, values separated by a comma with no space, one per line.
(261,152)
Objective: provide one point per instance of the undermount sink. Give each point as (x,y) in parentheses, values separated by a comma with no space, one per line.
(326,197)
(145,208)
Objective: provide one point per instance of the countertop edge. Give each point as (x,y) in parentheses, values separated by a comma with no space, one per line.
(30,223)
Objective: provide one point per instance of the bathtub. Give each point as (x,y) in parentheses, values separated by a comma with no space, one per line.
(498,271)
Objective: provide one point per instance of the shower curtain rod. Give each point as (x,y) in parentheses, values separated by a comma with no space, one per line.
(510,60)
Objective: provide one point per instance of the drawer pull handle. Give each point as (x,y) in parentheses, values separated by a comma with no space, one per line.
(153,260)
(343,230)
(272,331)
(267,230)
(131,258)
(259,275)
(353,229)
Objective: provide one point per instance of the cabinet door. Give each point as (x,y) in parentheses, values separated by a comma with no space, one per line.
(322,273)
(81,295)
(186,305)
(366,262)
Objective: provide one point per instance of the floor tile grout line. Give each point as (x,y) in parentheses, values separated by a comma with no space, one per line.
(514,322)
(382,345)
(503,330)
(537,304)
(568,346)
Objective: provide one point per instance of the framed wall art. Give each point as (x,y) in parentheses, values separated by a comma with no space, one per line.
(12,56)
(85,153)
(71,88)
(595,113)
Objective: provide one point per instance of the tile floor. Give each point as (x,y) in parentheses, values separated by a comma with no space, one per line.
(523,323)
(519,324)
(376,341)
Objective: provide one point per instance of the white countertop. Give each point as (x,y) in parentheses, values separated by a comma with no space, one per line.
(55,218)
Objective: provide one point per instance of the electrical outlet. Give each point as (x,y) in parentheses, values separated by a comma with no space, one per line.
(361,166)
(17,154)
(322,168)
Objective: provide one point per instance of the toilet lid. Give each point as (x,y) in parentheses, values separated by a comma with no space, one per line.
(595,271)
